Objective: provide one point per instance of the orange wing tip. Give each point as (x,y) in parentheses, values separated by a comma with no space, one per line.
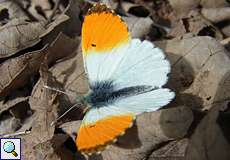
(103,30)
(99,8)
(120,125)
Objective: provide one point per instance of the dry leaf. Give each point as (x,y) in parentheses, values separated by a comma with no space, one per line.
(23,34)
(46,150)
(151,130)
(214,3)
(216,14)
(8,124)
(12,10)
(61,47)
(196,25)
(200,77)
(11,103)
(18,70)
(71,128)
(183,7)
(200,69)
(139,27)
(209,142)
(226,30)
(46,10)
(71,74)
(172,150)
(45,104)
(53,29)
(41,9)
(73,26)
(127,5)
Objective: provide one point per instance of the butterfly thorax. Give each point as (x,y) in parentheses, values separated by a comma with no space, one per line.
(105,93)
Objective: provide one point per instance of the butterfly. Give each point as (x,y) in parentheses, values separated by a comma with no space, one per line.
(125,79)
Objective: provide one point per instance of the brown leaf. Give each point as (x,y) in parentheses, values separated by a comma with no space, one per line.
(182,7)
(200,67)
(73,26)
(127,5)
(226,30)
(214,3)
(44,103)
(18,70)
(46,10)
(139,27)
(71,74)
(71,128)
(10,10)
(23,34)
(209,142)
(195,24)
(46,150)
(53,29)
(11,103)
(62,46)
(172,150)
(216,14)
(8,124)
(151,129)
(41,9)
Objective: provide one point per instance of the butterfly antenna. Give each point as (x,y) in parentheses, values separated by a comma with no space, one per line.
(60,91)
(61,116)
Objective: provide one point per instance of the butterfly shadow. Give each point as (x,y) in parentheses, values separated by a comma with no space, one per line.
(180,79)
(130,139)
(222,101)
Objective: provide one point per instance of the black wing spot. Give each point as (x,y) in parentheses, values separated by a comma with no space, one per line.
(93,45)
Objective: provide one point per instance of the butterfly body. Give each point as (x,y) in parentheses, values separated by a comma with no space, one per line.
(104,93)
(126,78)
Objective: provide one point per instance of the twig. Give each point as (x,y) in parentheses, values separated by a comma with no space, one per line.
(60,91)
(77,105)
(16,134)
(225,41)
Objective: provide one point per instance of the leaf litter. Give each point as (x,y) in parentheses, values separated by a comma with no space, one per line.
(43,49)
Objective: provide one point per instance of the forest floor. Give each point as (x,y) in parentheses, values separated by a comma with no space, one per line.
(40,45)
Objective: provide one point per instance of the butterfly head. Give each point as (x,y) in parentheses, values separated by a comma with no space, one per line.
(81,100)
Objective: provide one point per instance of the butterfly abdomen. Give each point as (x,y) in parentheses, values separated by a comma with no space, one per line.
(104,93)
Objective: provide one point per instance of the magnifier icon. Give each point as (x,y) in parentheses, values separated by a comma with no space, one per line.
(9,147)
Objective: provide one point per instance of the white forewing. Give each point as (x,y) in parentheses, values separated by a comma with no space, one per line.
(133,64)
(142,65)
(101,66)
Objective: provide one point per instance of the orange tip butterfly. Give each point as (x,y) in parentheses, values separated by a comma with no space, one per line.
(125,78)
